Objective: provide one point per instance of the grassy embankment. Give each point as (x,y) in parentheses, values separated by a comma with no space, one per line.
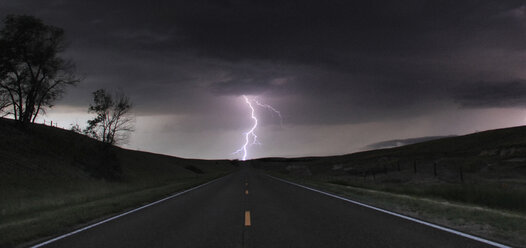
(474,183)
(53,180)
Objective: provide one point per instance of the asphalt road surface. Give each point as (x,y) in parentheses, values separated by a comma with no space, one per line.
(251,209)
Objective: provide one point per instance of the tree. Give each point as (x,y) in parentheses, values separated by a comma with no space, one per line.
(75,128)
(114,121)
(32,75)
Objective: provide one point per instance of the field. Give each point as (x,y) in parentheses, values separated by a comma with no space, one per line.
(52,180)
(475,183)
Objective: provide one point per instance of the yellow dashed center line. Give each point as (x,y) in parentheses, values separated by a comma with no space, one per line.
(247,218)
(247,213)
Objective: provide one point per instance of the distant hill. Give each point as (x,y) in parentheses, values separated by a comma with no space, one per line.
(491,154)
(402,142)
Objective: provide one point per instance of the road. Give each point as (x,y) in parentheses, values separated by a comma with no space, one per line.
(251,209)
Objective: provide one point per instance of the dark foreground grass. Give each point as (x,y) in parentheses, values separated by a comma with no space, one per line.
(492,195)
(67,214)
(53,180)
(507,227)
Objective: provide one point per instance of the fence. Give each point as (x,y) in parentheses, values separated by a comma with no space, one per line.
(412,169)
(50,123)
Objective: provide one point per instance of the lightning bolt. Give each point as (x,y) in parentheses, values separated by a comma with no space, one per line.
(272,109)
(251,134)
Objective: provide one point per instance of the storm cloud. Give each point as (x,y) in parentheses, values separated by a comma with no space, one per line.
(492,94)
(322,63)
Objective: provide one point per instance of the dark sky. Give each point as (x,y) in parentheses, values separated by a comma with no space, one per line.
(344,74)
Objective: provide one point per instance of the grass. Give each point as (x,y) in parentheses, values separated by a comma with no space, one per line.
(58,215)
(54,180)
(475,183)
(508,227)
(496,196)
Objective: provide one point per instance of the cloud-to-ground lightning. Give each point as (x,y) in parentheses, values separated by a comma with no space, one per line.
(251,134)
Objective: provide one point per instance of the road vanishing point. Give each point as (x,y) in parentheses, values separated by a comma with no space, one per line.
(251,209)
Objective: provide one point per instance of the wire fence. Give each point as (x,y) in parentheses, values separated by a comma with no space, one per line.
(51,123)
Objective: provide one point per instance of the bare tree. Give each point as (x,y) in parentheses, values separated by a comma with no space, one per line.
(32,75)
(113,122)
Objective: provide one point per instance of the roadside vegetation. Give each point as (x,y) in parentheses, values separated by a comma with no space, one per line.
(506,227)
(53,180)
(474,183)
(498,196)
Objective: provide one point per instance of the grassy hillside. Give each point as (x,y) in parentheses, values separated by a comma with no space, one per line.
(491,155)
(52,180)
(475,182)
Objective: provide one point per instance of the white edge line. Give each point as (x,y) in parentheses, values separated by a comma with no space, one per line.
(121,215)
(469,236)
